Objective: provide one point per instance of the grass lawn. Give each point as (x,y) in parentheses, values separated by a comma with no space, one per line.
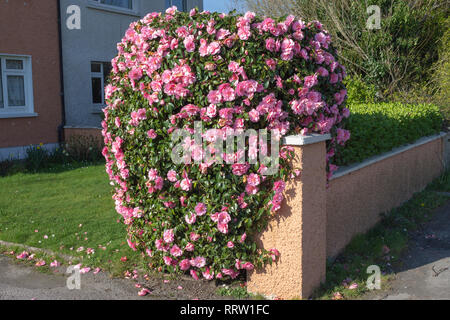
(64,209)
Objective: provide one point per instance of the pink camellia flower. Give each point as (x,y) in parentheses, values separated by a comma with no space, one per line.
(214,48)
(342,136)
(211,111)
(159,183)
(189,247)
(194,236)
(310,81)
(247,266)
(184,264)
(168,236)
(274,253)
(271,44)
(191,218)
(186,184)
(214,97)
(243,237)
(251,189)
(223,217)
(230,272)
(279,186)
(194,274)
(200,209)
(189,43)
(172,176)
(271,64)
(240,169)
(151,134)
(230,244)
(253,179)
(208,274)
(176,251)
(254,115)
(131,244)
(226,92)
(152,174)
(198,262)
(168,260)
(135,74)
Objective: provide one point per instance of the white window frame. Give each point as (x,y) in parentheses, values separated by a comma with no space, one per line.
(97,107)
(96,4)
(20,111)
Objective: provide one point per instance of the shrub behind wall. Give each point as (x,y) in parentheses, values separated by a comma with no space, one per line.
(378,128)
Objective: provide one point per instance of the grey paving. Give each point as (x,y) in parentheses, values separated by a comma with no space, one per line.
(19,282)
(425,272)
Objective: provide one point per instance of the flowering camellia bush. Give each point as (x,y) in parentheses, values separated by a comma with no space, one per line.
(231,73)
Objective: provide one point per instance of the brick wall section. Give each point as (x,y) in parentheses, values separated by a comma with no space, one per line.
(31,28)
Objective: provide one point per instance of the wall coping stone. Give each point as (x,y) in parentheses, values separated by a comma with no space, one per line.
(369,161)
(302,140)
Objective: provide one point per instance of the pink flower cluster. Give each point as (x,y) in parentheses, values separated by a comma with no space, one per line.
(232,74)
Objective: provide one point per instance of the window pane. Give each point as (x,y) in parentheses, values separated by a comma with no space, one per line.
(96,67)
(1,86)
(97,90)
(16,91)
(14,64)
(106,71)
(177,3)
(118,3)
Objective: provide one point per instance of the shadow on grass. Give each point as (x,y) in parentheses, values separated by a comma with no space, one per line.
(12,167)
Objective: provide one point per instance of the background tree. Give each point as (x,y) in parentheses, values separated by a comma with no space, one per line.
(393,58)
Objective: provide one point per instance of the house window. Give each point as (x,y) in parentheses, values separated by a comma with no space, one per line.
(16,85)
(180,4)
(99,77)
(126,4)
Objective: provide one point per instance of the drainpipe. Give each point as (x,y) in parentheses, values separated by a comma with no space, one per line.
(63,104)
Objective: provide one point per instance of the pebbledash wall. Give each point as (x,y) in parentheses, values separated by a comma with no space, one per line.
(29,54)
(316,222)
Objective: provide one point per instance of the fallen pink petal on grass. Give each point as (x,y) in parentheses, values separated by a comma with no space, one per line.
(55,264)
(40,263)
(85,270)
(353,286)
(23,255)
